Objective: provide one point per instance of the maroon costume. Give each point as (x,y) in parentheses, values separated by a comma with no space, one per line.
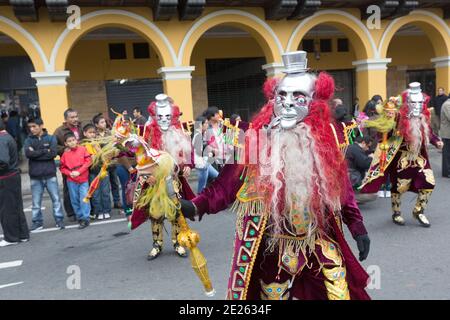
(164,132)
(407,164)
(302,260)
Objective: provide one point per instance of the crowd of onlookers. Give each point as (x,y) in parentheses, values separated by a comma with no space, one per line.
(72,143)
(75,147)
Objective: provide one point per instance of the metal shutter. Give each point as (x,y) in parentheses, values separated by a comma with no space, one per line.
(235,85)
(131,94)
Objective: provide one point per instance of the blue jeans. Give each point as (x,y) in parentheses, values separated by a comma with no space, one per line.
(77,192)
(124,176)
(37,191)
(101,199)
(204,175)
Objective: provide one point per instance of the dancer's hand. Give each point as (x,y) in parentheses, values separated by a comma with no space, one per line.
(363,243)
(188,209)
(186,171)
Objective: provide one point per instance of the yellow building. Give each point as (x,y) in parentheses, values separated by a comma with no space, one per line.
(211,52)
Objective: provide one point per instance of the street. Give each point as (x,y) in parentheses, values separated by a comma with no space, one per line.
(409,261)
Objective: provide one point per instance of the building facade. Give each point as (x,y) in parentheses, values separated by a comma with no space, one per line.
(204,53)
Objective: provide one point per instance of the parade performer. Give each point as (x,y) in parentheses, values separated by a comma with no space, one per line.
(402,154)
(164,132)
(291,203)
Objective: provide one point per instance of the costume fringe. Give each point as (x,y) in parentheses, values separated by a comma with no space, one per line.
(252,208)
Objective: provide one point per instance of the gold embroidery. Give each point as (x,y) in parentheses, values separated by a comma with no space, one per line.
(330,251)
(336,285)
(429,176)
(403,185)
(275,291)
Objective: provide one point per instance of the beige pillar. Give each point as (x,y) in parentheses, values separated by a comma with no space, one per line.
(178,86)
(53,97)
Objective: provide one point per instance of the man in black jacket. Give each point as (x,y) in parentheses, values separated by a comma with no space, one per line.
(12,218)
(41,150)
(357,159)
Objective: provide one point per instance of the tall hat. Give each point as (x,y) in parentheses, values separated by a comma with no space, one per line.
(162,101)
(295,62)
(414,88)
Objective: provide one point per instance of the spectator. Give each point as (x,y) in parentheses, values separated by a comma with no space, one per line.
(205,169)
(139,119)
(444,132)
(13,128)
(101,125)
(101,199)
(71,125)
(358,161)
(3,107)
(102,131)
(370,108)
(235,117)
(12,218)
(213,135)
(341,114)
(75,164)
(436,104)
(335,103)
(34,111)
(40,149)
(355,108)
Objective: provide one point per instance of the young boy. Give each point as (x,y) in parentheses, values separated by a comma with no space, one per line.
(101,199)
(40,149)
(75,163)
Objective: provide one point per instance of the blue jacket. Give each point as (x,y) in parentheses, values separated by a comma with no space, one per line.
(41,157)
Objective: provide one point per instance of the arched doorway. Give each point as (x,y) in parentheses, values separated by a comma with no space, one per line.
(18,90)
(112,68)
(330,50)
(228,72)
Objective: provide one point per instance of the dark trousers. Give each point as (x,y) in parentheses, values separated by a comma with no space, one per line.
(446,158)
(12,218)
(66,199)
(113,180)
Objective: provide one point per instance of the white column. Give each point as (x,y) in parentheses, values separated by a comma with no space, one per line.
(176,73)
(371,64)
(56,78)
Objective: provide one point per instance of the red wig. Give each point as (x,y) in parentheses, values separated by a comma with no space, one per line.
(403,115)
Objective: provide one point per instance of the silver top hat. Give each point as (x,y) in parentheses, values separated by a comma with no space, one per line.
(414,88)
(295,62)
(162,100)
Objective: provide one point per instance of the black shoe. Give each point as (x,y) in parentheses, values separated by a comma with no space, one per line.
(155,252)
(60,225)
(117,206)
(83,224)
(36,227)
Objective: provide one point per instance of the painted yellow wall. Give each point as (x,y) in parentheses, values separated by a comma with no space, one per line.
(220,48)
(410,50)
(89,60)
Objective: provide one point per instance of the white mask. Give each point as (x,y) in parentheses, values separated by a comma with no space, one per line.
(163,112)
